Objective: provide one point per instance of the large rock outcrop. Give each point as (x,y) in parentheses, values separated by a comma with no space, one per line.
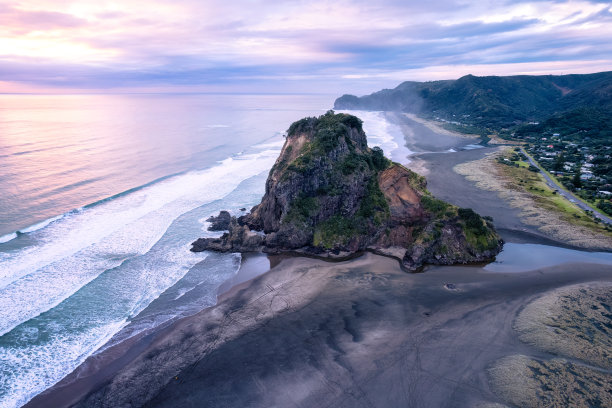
(330,195)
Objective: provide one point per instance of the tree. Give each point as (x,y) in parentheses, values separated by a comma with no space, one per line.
(559,162)
(576,180)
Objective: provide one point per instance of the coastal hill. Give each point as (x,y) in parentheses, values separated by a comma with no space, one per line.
(331,196)
(492,101)
(564,121)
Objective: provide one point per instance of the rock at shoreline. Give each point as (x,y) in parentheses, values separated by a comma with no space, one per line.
(240,238)
(330,195)
(221,222)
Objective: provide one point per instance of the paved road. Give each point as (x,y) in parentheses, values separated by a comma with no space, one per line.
(567,194)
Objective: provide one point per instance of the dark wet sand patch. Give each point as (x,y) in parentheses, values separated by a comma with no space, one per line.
(347,334)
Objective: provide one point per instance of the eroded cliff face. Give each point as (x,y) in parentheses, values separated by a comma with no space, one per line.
(330,195)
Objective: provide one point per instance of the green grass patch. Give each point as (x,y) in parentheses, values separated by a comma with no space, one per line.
(435,206)
(524,180)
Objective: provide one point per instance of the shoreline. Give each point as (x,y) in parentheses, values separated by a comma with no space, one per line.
(488,175)
(437,128)
(289,291)
(101,366)
(294,330)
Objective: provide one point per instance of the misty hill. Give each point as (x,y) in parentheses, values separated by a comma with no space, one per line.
(492,101)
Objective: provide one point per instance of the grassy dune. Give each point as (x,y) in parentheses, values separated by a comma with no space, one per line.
(539,206)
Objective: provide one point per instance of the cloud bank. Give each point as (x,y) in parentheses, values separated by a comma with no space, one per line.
(292,46)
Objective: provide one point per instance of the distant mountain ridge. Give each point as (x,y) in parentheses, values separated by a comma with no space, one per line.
(492,101)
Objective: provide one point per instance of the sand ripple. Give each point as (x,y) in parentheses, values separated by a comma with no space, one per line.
(573,322)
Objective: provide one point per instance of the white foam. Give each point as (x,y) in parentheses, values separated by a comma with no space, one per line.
(277,144)
(77,248)
(7,237)
(41,224)
(46,364)
(384,134)
(86,308)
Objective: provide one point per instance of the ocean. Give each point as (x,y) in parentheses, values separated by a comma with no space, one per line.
(102,196)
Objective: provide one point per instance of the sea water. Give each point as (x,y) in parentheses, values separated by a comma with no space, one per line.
(528,257)
(102,196)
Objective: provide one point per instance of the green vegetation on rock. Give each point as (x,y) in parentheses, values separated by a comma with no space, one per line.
(329,194)
(302,209)
(565,121)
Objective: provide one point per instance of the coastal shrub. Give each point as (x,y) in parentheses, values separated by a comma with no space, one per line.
(351,163)
(417,181)
(433,205)
(605,206)
(335,231)
(304,162)
(472,220)
(328,128)
(533,168)
(478,241)
(379,161)
(302,208)
(303,125)
(352,121)
(338,230)
(373,205)
(328,137)
(376,161)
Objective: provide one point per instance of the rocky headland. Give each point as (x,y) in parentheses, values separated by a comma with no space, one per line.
(329,195)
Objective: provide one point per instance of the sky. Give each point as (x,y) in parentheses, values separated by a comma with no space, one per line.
(314,46)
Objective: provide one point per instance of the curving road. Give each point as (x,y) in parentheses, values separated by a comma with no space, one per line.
(565,193)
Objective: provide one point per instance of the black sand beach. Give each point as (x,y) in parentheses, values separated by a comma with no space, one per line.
(450,186)
(310,333)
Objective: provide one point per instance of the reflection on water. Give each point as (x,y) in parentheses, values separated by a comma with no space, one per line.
(60,152)
(528,257)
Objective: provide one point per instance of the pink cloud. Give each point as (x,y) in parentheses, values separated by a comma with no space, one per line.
(24,21)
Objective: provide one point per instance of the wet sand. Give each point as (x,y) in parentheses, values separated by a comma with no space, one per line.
(455,188)
(422,136)
(349,334)
(468,178)
(358,333)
